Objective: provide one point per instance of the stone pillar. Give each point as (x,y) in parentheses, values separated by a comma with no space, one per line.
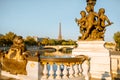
(99,58)
(34,69)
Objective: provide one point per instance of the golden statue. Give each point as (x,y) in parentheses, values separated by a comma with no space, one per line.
(92,25)
(15,60)
(82,22)
(17,49)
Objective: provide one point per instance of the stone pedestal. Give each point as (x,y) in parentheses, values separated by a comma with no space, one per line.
(99,58)
(33,70)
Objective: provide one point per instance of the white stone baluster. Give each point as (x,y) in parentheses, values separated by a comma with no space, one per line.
(45,71)
(76,70)
(71,71)
(65,72)
(85,67)
(58,72)
(80,69)
(51,72)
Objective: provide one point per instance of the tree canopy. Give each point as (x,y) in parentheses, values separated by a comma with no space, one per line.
(7,40)
(117,39)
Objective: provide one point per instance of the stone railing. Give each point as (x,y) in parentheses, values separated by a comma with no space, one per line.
(40,68)
(71,68)
(115,64)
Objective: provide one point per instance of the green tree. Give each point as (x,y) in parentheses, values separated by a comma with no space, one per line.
(71,42)
(30,41)
(64,43)
(8,38)
(117,39)
(45,41)
(52,42)
(2,41)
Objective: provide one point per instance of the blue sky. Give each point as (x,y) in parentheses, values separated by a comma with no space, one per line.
(41,17)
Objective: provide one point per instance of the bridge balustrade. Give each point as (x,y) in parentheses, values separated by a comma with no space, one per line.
(65,68)
(60,47)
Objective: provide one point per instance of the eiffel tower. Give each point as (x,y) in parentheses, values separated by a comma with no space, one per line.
(60,35)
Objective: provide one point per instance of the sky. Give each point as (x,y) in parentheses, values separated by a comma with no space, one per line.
(42,17)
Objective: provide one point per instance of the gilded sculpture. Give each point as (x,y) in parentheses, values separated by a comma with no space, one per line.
(14,61)
(92,24)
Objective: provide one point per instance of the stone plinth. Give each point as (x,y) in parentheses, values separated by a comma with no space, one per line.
(34,68)
(99,58)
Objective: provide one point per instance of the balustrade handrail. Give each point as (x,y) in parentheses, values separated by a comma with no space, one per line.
(64,60)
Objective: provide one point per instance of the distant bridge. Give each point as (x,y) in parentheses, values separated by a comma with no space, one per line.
(60,46)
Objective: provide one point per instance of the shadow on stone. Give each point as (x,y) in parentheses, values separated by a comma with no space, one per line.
(106,74)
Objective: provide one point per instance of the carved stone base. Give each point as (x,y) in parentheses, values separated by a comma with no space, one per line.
(99,58)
